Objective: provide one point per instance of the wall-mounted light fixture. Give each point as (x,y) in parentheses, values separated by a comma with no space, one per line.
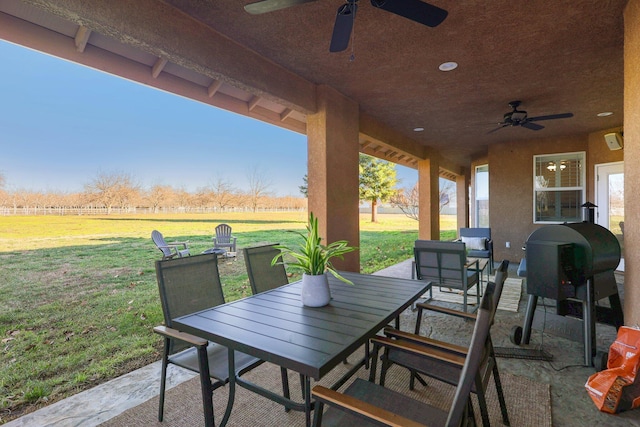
(552,166)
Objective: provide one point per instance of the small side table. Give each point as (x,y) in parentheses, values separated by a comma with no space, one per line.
(219,252)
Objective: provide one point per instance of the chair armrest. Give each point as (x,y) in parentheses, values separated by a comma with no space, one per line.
(419,339)
(444,310)
(184,244)
(355,405)
(420,350)
(182,336)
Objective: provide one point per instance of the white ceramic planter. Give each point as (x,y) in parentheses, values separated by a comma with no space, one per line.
(315,290)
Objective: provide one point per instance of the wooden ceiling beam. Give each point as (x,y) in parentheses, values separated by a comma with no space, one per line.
(213,87)
(158,67)
(253,102)
(81,38)
(285,114)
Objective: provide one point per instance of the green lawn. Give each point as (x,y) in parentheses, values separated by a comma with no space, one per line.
(79,295)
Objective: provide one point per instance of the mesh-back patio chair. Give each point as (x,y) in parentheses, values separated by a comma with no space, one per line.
(479,243)
(169,250)
(224,239)
(262,275)
(447,372)
(365,403)
(188,285)
(445,264)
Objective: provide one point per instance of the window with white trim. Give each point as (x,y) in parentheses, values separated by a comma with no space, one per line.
(558,187)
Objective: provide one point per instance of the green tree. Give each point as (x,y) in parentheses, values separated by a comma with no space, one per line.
(377,182)
(304,188)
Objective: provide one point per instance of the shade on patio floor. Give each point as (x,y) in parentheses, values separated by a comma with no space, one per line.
(571,406)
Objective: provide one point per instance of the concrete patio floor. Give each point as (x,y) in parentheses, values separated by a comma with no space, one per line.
(566,374)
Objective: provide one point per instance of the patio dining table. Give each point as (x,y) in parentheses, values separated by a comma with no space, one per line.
(275,327)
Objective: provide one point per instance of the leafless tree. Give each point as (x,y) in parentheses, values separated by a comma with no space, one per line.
(223,193)
(183,200)
(446,192)
(259,187)
(113,189)
(408,201)
(159,196)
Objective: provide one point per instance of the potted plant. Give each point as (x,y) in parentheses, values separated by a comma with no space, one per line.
(314,259)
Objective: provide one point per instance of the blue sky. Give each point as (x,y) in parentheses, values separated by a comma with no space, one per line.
(61,124)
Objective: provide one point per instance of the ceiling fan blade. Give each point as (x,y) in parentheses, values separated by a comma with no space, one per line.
(343,27)
(265,6)
(550,117)
(415,10)
(502,125)
(532,126)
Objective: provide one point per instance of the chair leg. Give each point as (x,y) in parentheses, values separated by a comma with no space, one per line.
(206,386)
(464,300)
(163,378)
(384,367)
(374,363)
(416,376)
(503,403)
(482,402)
(317,414)
(418,321)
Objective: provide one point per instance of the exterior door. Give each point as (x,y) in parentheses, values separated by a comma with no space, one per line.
(610,199)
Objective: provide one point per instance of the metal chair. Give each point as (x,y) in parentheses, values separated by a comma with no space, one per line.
(224,239)
(479,243)
(262,275)
(442,371)
(365,403)
(188,285)
(169,250)
(445,264)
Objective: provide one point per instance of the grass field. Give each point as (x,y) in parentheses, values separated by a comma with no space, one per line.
(79,295)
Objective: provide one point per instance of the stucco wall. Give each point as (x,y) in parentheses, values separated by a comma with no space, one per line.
(632,161)
(511,188)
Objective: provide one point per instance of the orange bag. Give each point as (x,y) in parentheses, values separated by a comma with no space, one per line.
(617,388)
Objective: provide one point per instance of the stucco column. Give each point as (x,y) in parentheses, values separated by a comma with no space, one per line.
(333,148)
(631,162)
(462,199)
(429,195)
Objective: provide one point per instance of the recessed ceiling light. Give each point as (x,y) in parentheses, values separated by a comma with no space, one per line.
(605,114)
(418,129)
(448,66)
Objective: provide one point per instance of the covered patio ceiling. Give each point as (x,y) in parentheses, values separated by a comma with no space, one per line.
(554,56)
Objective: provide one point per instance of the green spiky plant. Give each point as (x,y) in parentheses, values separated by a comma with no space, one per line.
(312,257)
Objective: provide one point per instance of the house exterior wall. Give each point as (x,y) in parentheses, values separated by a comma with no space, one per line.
(632,161)
(511,184)
(511,188)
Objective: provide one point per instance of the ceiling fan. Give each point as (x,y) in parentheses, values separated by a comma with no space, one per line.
(519,118)
(415,10)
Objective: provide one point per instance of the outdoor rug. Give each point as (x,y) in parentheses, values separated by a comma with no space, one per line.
(528,401)
(508,300)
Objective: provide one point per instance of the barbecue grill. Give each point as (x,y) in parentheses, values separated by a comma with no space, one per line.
(574,264)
